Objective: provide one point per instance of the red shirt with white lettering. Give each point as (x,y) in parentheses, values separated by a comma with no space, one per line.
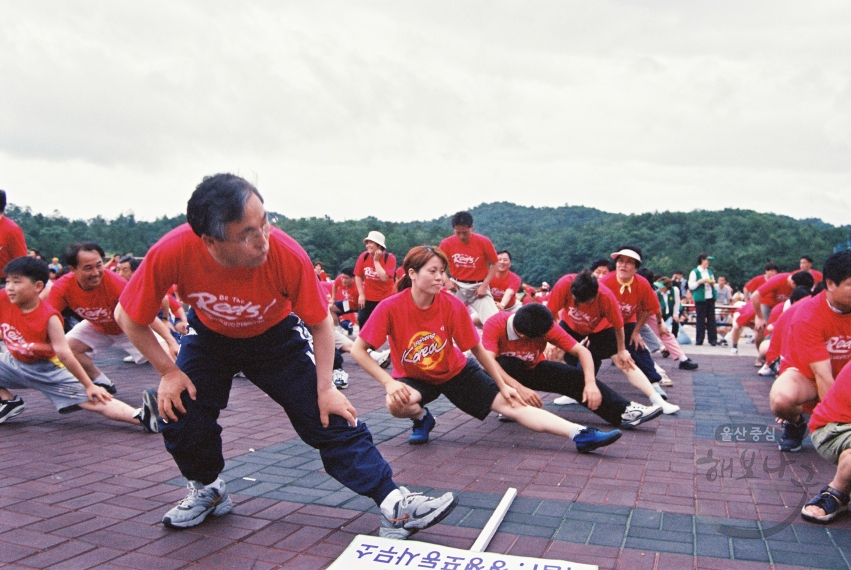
(638,297)
(237,302)
(25,334)
(775,290)
(816,333)
(12,243)
(374,289)
(599,313)
(421,340)
(469,261)
(344,293)
(96,306)
(499,337)
(499,285)
(836,406)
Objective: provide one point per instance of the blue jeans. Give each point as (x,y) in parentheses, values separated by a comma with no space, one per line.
(279,362)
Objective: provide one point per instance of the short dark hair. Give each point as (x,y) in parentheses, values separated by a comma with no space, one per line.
(348,271)
(702,257)
(584,286)
(771,266)
(803,279)
(602,262)
(647,274)
(533,320)
(462,219)
(637,250)
(73,250)
(799,293)
(506,252)
(217,201)
(2,201)
(30,267)
(134,262)
(837,267)
(807,257)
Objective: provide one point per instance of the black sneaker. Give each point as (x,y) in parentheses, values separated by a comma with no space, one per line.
(793,435)
(108,387)
(11,408)
(688,364)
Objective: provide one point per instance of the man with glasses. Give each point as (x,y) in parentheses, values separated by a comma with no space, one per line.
(256,307)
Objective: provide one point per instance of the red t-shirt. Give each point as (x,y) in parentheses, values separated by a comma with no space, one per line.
(836,406)
(12,243)
(597,314)
(817,276)
(816,332)
(755,283)
(238,302)
(499,337)
(775,290)
(96,306)
(635,299)
(173,304)
(469,261)
(498,286)
(421,340)
(746,315)
(775,313)
(374,289)
(25,334)
(780,329)
(344,293)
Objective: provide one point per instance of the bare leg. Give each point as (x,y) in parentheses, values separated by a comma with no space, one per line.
(80,351)
(533,418)
(6,394)
(115,410)
(789,393)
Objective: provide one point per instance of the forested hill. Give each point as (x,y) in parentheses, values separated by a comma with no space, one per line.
(545,242)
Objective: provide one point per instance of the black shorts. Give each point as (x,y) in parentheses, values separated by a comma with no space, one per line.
(472,391)
(602,344)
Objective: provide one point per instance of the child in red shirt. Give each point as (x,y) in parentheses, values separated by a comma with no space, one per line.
(39,357)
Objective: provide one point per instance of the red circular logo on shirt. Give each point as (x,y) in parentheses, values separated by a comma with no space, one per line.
(425,350)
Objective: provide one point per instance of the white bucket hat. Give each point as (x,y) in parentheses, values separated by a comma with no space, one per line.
(627,253)
(377,237)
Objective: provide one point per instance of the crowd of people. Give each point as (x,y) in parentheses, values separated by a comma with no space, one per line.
(456,321)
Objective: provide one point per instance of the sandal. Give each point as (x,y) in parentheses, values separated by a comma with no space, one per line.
(830,500)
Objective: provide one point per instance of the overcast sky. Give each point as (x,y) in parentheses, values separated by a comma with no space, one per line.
(411,110)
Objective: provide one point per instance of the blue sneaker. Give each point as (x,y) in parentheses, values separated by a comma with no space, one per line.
(589,439)
(422,428)
(793,435)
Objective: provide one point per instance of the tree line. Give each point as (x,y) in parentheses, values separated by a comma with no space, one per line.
(545,243)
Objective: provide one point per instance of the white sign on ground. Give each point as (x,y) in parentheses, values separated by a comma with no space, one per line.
(373,553)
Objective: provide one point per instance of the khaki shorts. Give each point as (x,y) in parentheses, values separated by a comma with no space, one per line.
(831,440)
(88,334)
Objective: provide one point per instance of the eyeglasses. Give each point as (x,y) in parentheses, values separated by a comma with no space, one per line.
(255,235)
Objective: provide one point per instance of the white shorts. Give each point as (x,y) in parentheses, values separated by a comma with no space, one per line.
(89,335)
(55,382)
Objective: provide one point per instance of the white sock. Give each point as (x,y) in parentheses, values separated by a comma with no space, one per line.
(575,429)
(656,400)
(421,416)
(102,379)
(683,358)
(390,501)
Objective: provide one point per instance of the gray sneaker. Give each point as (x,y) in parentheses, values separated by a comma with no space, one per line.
(414,512)
(148,414)
(200,502)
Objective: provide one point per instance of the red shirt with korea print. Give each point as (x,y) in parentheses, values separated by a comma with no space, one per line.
(469,261)
(500,338)
(836,406)
(421,340)
(96,306)
(237,302)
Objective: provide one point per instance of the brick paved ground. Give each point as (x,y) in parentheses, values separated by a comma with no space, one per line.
(78,492)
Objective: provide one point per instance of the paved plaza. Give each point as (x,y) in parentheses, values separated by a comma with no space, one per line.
(79,492)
